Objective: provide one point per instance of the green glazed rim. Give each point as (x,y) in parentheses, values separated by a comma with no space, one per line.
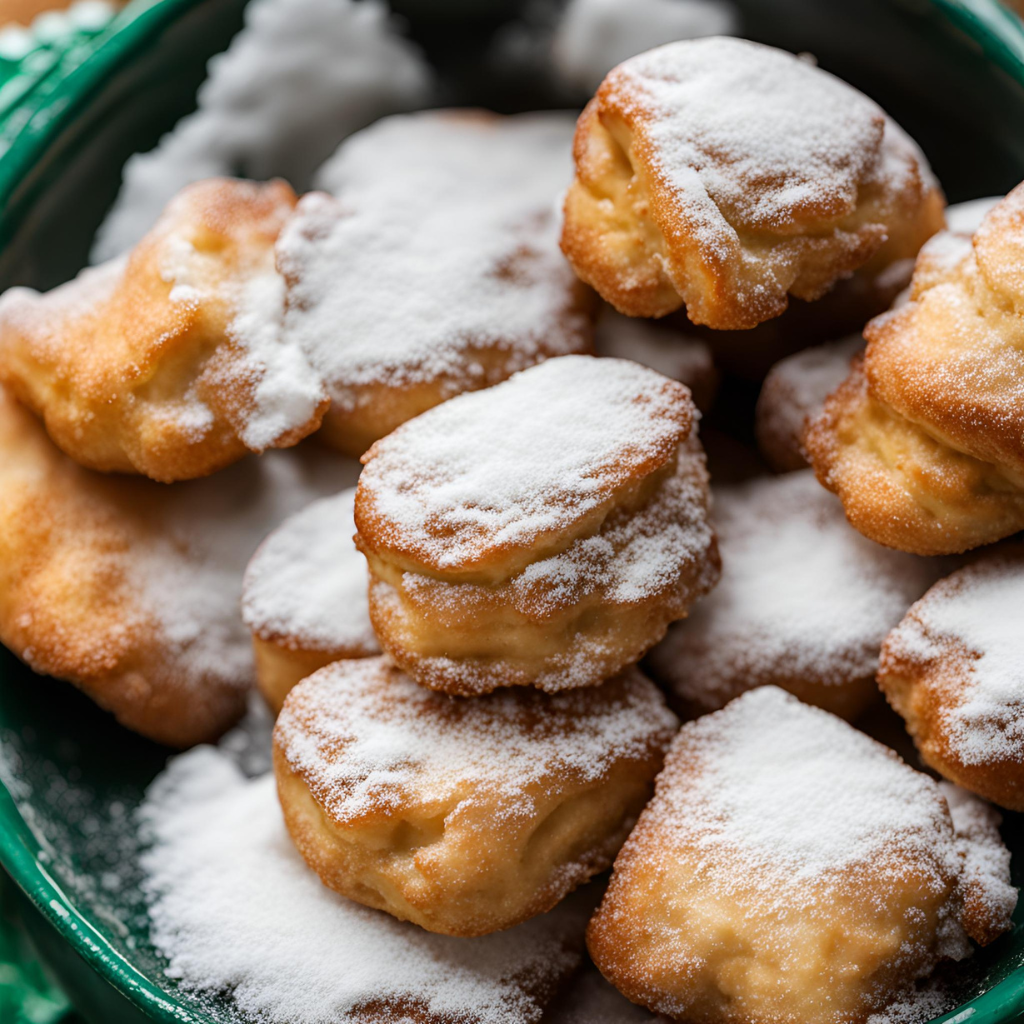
(48,107)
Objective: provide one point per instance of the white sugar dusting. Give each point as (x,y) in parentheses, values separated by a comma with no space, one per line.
(366,737)
(971,622)
(532,455)
(235,910)
(307,583)
(298,78)
(802,595)
(439,260)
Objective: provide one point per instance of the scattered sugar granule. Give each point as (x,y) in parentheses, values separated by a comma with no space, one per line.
(234,909)
(307,582)
(298,78)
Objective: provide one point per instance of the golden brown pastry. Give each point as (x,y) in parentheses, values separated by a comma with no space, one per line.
(304,597)
(804,603)
(465,816)
(169,362)
(791,869)
(433,268)
(727,176)
(924,441)
(129,589)
(544,532)
(954,669)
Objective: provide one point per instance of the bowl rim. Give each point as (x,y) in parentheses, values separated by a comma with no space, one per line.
(994,28)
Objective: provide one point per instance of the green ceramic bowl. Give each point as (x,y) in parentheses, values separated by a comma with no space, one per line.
(952,71)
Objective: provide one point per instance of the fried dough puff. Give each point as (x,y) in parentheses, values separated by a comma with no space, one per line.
(791,869)
(129,589)
(725,176)
(304,597)
(924,441)
(954,669)
(544,532)
(169,362)
(464,816)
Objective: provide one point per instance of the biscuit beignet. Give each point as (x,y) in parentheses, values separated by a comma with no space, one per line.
(169,362)
(304,597)
(804,603)
(791,869)
(725,176)
(464,816)
(544,532)
(433,268)
(954,669)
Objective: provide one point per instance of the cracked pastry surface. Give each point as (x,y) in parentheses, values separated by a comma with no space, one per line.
(169,362)
(790,868)
(804,603)
(954,669)
(465,816)
(542,533)
(923,441)
(129,589)
(726,176)
(433,267)
(304,597)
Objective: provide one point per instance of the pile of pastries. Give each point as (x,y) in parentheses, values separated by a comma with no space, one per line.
(520,644)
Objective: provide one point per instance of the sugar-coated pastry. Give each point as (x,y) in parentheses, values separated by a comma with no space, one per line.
(465,815)
(169,362)
(130,589)
(674,353)
(544,532)
(791,869)
(794,390)
(434,267)
(304,597)
(727,176)
(954,669)
(924,441)
(804,603)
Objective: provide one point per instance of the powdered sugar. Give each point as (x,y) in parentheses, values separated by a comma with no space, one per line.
(297,79)
(503,467)
(366,738)
(234,908)
(972,621)
(438,263)
(966,218)
(802,596)
(306,585)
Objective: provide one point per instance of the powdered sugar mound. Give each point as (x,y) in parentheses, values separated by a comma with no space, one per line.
(972,619)
(188,578)
(532,455)
(595,35)
(307,582)
(234,909)
(439,260)
(365,737)
(966,218)
(297,79)
(802,596)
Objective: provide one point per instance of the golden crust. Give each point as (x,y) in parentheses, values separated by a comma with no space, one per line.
(468,816)
(652,219)
(136,366)
(923,441)
(929,672)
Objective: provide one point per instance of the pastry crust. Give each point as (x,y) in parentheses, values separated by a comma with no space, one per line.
(952,669)
(166,362)
(304,597)
(789,868)
(923,442)
(433,268)
(463,816)
(793,183)
(556,564)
